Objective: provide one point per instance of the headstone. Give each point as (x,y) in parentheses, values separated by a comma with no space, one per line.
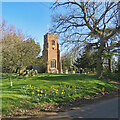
(21,71)
(66,71)
(36,72)
(61,71)
(57,71)
(26,75)
(81,70)
(73,72)
(85,70)
(17,74)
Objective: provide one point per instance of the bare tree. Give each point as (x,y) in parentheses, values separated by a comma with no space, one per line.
(86,22)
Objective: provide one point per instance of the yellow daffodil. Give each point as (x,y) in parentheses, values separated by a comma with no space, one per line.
(62,93)
(32,92)
(38,90)
(40,94)
(37,94)
(37,98)
(41,91)
(45,94)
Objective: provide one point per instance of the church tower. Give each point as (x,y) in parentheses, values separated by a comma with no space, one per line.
(51,53)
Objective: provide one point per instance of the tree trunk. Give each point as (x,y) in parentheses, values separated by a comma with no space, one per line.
(110,65)
(119,64)
(19,70)
(10,79)
(109,59)
(99,59)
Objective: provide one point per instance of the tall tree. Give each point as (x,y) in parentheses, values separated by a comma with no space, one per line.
(66,61)
(87,59)
(17,50)
(111,50)
(27,52)
(86,22)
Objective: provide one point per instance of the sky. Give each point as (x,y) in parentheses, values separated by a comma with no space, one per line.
(32,18)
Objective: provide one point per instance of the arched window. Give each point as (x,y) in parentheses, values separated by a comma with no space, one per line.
(53,64)
(53,42)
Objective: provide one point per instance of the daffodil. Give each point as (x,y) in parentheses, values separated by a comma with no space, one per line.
(32,92)
(37,94)
(62,93)
(40,94)
(37,98)
(38,90)
(41,91)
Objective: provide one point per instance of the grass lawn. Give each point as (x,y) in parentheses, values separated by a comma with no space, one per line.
(26,92)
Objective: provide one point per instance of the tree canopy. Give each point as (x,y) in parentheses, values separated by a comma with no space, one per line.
(18,51)
(82,23)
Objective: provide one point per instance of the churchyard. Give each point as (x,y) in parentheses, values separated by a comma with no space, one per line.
(44,89)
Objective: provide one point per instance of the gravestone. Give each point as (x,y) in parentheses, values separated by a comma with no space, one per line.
(36,72)
(66,71)
(73,72)
(61,71)
(57,71)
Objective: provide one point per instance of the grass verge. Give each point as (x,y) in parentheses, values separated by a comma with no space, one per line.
(28,92)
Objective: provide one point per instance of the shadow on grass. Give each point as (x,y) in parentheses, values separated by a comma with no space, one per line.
(16,87)
(66,77)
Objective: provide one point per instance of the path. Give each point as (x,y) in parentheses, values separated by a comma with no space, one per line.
(103,109)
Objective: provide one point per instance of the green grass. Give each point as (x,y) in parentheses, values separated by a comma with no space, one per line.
(20,96)
(112,76)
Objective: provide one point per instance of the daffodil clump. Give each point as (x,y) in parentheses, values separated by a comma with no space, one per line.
(60,94)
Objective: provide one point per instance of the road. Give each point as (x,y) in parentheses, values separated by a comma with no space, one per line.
(102,109)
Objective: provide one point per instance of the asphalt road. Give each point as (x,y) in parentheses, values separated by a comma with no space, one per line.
(109,108)
(102,109)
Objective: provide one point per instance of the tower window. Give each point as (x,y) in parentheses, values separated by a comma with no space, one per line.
(53,42)
(53,64)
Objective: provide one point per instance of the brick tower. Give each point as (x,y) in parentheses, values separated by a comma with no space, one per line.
(51,53)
